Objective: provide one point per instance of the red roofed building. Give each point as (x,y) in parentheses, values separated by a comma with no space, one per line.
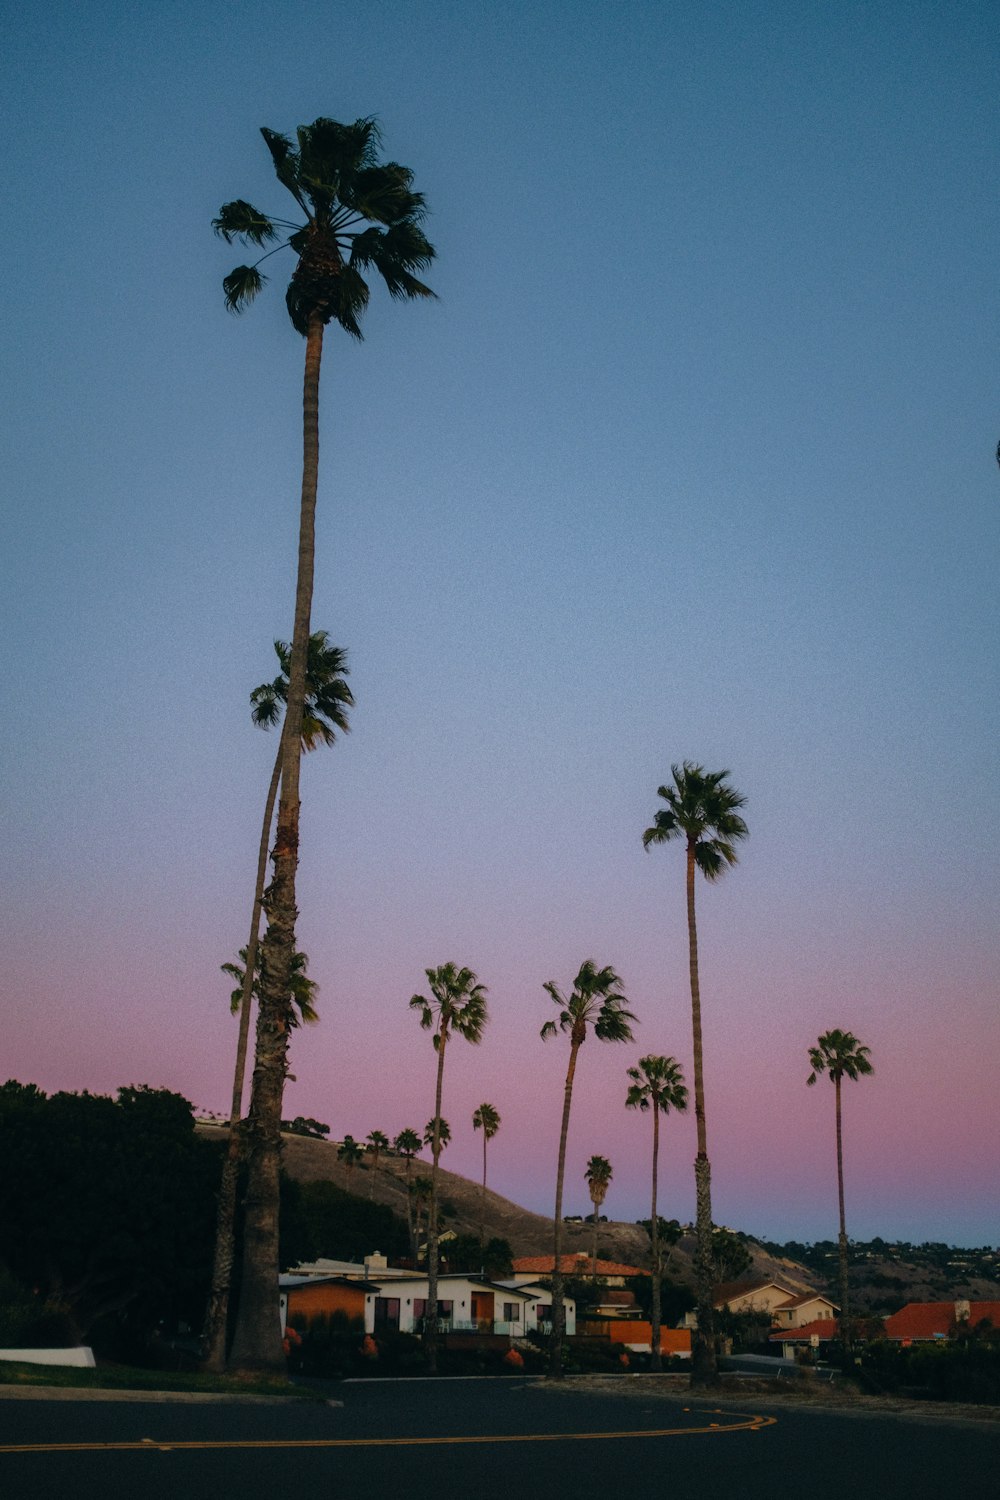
(793,1339)
(611,1272)
(936,1320)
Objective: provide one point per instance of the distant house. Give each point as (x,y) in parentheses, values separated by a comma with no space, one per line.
(751,1296)
(579,1263)
(466,1304)
(806,1336)
(922,1321)
(797,1312)
(788,1310)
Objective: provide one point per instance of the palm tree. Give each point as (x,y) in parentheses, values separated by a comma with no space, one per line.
(359,213)
(443,1130)
(486,1119)
(325,711)
(702,809)
(407,1143)
(596,1004)
(840,1055)
(657,1084)
(350,1153)
(457,1004)
(376,1142)
(598,1175)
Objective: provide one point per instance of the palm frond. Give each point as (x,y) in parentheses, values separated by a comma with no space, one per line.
(241,286)
(267,701)
(239,220)
(286,164)
(384,194)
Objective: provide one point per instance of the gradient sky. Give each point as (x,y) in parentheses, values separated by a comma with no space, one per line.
(692,459)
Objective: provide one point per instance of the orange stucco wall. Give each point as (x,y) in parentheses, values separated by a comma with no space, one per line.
(313,1301)
(632,1331)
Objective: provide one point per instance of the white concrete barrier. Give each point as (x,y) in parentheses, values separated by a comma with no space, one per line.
(82,1357)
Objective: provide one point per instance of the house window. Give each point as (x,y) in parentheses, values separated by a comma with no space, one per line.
(512,1312)
(543,1312)
(386,1312)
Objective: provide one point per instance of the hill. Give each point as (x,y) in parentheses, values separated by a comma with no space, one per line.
(883,1277)
(312,1160)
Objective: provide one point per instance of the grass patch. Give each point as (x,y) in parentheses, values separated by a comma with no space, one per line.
(128,1378)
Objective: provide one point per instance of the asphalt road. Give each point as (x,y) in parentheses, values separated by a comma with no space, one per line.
(487,1440)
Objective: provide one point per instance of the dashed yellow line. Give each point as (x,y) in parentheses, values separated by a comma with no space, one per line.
(152,1445)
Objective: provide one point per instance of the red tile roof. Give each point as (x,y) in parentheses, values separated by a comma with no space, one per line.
(927,1320)
(823,1328)
(543,1265)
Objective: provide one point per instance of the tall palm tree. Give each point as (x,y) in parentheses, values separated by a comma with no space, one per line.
(702,809)
(486,1119)
(457,1005)
(656,1084)
(840,1055)
(595,1004)
(355,213)
(598,1174)
(376,1141)
(325,711)
(407,1143)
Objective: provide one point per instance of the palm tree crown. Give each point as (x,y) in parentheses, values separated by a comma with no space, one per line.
(595,1003)
(487,1119)
(327,695)
(304,989)
(443,1129)
(457,1003)
(359,214)
(839,1054)
(407,1143)
(658,1084)
(702,809)
(598,1174)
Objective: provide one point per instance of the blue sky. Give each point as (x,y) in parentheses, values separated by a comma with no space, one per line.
(693,458)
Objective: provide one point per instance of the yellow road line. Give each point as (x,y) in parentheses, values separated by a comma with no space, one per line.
(152,1445)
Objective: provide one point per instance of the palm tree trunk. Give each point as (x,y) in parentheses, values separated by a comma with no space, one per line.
(409,1214)
(593,1255)
(217,1312)
(257,1340)
(654,1322)
(558,1305)
(845,1314)
(431,1329)
(482,1199)
(703,1365)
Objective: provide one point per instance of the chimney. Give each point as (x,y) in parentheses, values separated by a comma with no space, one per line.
(375,1262)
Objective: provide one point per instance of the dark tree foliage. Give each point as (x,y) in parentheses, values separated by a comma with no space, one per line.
(730,1257)
(306,1125)
(675,1299)
(337,1225)
(106,1208)
(465,1253)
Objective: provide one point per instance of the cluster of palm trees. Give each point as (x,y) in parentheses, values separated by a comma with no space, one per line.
(355,213)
